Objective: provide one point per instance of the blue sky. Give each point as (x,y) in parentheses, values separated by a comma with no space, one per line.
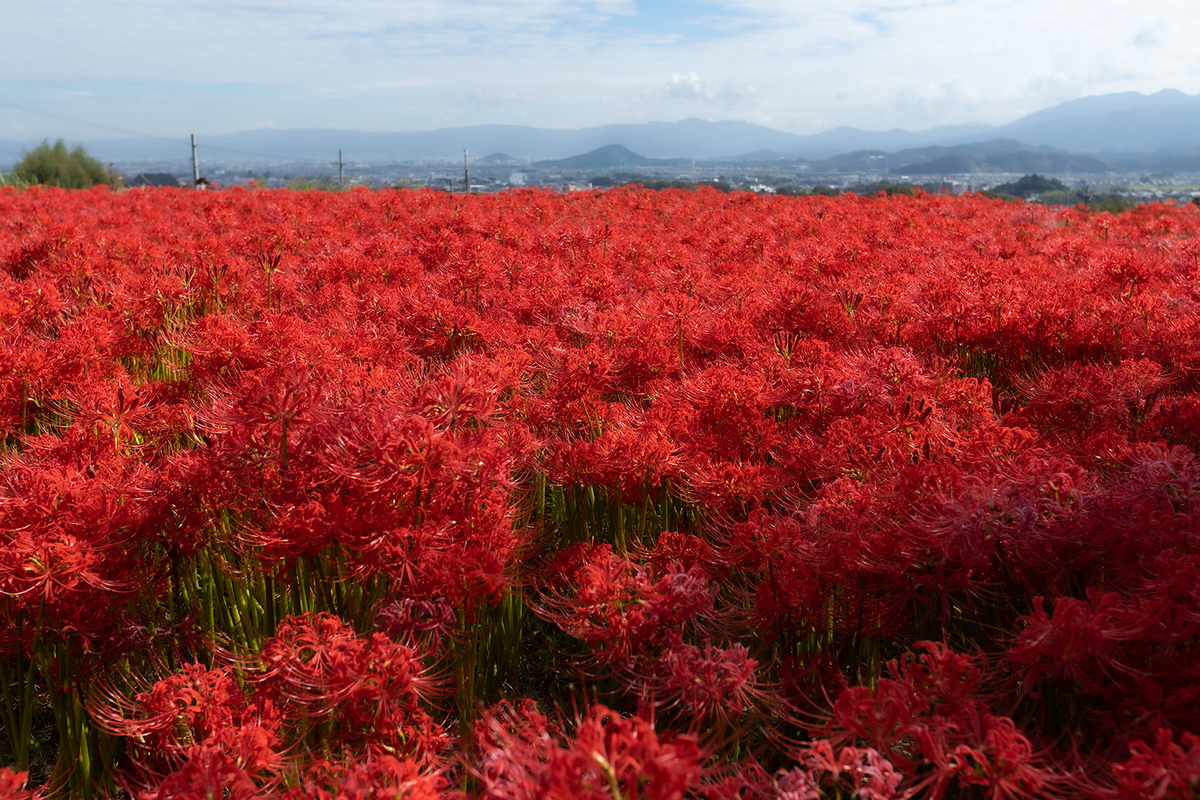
(169,68)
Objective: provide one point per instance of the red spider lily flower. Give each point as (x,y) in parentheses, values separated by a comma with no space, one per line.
(623,756)
(191,707)
(375,777)
(984,751)
(713,686)
(199,728)
(407,617)
(682,595)
(279,405)
(929,720)
(452,402)
(619,608)
(370,686)
(862,773)
(882,717)
(12,785)
(1086,395)
(608,606)
(1005,764)
(1081,642)
(609,757)
(946,680)
(676,552)
(793,784)
(1168,767)
(514,743)
(811,389)
(207,772)
(49,567)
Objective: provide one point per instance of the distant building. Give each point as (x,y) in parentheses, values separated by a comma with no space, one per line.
(153,179)
(517,179)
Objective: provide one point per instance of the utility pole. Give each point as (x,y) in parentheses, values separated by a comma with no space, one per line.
(195,165)
(340,165)
(466,175)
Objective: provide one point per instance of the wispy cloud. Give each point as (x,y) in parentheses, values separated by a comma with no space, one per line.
(381,65)
(690,86)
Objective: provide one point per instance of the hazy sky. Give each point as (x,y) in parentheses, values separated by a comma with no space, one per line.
(173,67)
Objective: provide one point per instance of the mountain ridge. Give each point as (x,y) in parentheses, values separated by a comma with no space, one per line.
(1125,123)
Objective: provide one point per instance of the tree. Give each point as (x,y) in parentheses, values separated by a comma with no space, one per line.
(55,165)
(1030,185)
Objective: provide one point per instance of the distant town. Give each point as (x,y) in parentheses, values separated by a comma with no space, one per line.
(780,176)
(1119,149)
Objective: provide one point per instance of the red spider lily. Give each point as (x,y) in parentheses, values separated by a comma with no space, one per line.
(608,607)
(1086,395)
(372,687)
(515,743)
(200,730)
(883,716)
(931,720)
(409,618)
(208,771)
(12,785)
(70,537)
(620,609)
(193,730)
(375,777)
(992,755)
(454,402)
(946,680)
(1082,642)
(281,404)
(609,757)
(622,756)
(871,421)
(49,567)
(1165,768)
(1177,420)
(187,708)
(859,772)
(713,686)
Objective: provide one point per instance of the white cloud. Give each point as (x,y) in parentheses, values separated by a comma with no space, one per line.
(690,86)
(381,65)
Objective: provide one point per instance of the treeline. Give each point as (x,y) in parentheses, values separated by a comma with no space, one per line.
(1037,188)
(57,165)
(72,168)
(1054,192)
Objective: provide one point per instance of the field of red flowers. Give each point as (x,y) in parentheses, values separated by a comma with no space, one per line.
(602,495)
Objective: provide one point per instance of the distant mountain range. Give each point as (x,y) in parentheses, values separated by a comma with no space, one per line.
(1130,128)
(611,157)
(994,155)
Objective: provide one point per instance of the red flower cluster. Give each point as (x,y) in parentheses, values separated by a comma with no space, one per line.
(362,699)
(327,494)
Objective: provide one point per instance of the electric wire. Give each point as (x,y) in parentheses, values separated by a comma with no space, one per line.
(65,118)
(184,142)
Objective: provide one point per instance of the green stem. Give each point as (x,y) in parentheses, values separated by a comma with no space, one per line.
(22,754)
(10,711)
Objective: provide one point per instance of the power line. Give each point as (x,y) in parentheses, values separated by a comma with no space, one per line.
(152,136)
(85,122)
(264,155)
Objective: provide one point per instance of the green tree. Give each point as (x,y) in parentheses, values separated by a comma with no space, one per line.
(55,165)
(1030,185)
